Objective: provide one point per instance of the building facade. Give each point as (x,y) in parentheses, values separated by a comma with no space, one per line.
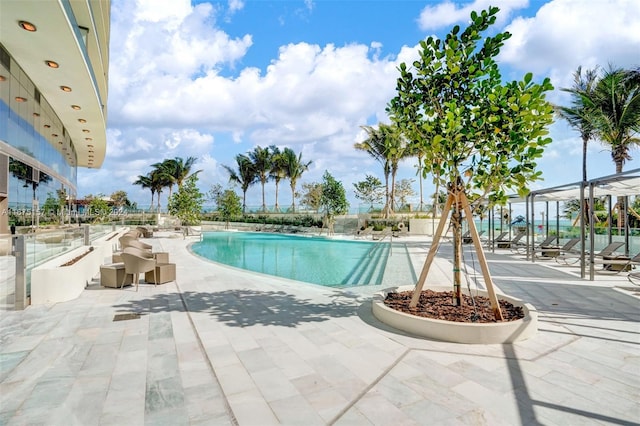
(54,65)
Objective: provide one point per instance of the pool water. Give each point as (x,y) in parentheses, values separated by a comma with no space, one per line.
(317,260)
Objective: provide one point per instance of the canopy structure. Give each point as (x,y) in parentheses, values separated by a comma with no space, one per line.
(619,185)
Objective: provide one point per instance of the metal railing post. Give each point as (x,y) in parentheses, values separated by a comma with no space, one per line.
(20,253)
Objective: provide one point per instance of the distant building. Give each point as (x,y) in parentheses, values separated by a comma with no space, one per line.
(54,67)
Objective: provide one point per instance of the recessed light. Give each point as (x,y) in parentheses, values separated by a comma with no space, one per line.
(76,107)
(52,64)
(27,26)
(2,78)
(54,135)
(59,142)
(86,130)
(82,120)
(90,146)
(35,114)
(20,99)
(88,139)
(64,148)
(65,88)
(46,126)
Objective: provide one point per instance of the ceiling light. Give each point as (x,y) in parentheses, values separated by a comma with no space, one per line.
(2,78)
(20,99)
(52,64)
(35,114)
(86,130)
(27,26)
(76,107)
(46,126)
(59,142)
(90,146)
(82,120)
(88,139)
(65,88)
(54,135)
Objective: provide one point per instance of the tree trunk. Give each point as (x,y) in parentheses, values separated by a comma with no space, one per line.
(456,224)
(293,198)
(276,207)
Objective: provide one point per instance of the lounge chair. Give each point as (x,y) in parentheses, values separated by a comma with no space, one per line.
(363,233)
(466,237)
(617,264)
(634,278)
(551,251)
(498,239)
(510,243)
(522,248)
(573,257)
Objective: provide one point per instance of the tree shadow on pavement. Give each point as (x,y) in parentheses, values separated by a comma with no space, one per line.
(244,308)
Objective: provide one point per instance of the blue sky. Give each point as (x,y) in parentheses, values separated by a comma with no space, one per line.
(211,79)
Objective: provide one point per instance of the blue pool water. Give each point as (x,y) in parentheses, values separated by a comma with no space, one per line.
(317,260)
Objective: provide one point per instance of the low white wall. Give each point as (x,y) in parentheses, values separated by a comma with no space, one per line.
(424,226)
(52,283)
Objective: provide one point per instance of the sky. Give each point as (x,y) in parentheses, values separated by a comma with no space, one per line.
(213,79)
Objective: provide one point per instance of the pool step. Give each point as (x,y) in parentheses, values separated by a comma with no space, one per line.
(371,269)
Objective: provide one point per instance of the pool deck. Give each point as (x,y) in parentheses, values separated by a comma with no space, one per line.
(225,347)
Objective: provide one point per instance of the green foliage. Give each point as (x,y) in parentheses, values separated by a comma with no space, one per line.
(229,204)
(186,203)
(120,199)
(311,195)
(99,209)
(404,190)
(470,124)
(370,190)
(333,201)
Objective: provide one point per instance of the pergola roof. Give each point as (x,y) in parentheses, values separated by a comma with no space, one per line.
(621,184)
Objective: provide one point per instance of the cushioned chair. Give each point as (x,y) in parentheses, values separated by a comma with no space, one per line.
(128,241)
(136,264)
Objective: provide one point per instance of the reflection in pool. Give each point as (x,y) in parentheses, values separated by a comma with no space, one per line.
(324,261)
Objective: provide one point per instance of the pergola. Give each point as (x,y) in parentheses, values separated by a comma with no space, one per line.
(618,185)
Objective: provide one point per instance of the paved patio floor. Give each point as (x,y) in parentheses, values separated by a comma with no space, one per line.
(225,347)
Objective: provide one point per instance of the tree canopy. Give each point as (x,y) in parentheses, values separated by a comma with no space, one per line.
(473,126)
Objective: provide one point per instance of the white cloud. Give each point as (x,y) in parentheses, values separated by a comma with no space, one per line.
(565,34)
(445,14)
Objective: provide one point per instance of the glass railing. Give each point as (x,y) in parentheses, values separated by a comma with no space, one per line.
(39,248)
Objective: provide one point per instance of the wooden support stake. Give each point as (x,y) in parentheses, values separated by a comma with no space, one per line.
(481,258)
(432,252)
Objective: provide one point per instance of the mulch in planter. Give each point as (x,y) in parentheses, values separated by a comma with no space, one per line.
(439,305)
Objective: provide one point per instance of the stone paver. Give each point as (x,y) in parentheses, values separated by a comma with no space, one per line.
(224,347)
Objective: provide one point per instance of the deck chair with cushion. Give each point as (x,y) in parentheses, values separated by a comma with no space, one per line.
(617,264)
(608,251)
(466,237)
(511,243)
(548,242)
(497,239)
(553,251)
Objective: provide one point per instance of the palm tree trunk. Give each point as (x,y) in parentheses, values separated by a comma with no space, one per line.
(276,207)
(264,204)
(293,197)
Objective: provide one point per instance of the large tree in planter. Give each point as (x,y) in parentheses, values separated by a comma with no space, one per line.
(479,133)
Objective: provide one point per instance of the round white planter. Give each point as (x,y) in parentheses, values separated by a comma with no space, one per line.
(458,332)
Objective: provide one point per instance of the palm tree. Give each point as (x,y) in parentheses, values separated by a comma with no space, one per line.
(158,182)
(616,117)
(261,159)
(182,169)
(278,170)
(145,182)
(616,112)
(396,150)
(295,167)
(388,147)
(245,176)
(578,115)
(374,145)
(164,172)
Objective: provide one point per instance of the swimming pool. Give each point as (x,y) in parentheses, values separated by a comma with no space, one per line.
(317,260)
